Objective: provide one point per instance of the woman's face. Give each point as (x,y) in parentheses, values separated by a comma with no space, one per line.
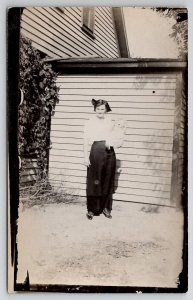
(100,111)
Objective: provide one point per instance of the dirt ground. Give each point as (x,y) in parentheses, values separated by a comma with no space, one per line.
(57,244)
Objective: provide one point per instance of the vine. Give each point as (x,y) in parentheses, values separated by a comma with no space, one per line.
(40,95)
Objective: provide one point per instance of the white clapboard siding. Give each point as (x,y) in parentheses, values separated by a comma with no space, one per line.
(113,91)
(68,142)
(28,171)
(119,104)
(137,190)
(144,162)
(153,167)
(117,79)
(131,111)
(123,195)
(123,150)
(124,115)
(121,184)
(121,98)
(122,175)
(123,85)
(35,20)
(143,133)
(59,33)
(150,160)
(41,32)
(129,130)
(129,138)
(75,122)
(126,154)
(182,173)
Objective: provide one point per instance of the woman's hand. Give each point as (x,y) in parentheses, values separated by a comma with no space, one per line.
(86,161)
(108,145)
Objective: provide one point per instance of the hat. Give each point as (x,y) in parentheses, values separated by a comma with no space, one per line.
(99,102)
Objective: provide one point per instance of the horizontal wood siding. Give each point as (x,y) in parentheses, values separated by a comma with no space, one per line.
(144,163)
(59,34)
(182,175)
(28,171)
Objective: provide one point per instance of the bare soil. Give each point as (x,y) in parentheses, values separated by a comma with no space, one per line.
(139,246)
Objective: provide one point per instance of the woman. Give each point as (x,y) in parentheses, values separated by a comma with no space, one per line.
(100,161)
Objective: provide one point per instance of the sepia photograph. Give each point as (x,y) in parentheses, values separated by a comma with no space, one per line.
(97,140)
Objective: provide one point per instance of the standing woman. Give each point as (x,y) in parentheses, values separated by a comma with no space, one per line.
(100,161)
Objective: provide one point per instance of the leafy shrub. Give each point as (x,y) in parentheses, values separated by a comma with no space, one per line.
(179,29)
(40,95)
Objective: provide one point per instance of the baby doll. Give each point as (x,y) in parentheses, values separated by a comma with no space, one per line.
(118,133)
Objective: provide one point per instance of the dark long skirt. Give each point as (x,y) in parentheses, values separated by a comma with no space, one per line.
(100,178)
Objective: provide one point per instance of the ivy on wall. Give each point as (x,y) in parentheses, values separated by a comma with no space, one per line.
(39,95)
(180,27)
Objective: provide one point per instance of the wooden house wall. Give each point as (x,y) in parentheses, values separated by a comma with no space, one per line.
(28,171)
(182,139)
(147,103)
(59,34)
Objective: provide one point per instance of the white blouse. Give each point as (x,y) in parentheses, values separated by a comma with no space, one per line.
(97,129)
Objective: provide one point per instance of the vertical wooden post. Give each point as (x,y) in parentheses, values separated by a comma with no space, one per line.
(13,98)
(120,31)
(175,194)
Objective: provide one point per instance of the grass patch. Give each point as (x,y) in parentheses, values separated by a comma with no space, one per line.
(42,193)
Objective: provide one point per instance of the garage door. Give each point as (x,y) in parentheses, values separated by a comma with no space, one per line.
(144,162)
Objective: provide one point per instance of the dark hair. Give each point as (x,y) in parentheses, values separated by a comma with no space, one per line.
(97,103)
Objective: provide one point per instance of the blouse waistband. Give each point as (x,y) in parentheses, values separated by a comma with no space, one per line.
(102,143)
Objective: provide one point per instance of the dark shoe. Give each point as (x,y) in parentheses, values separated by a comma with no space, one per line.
(107,213)
(90,215)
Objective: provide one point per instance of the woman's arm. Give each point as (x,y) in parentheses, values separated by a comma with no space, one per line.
(86,154)
(86,145)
